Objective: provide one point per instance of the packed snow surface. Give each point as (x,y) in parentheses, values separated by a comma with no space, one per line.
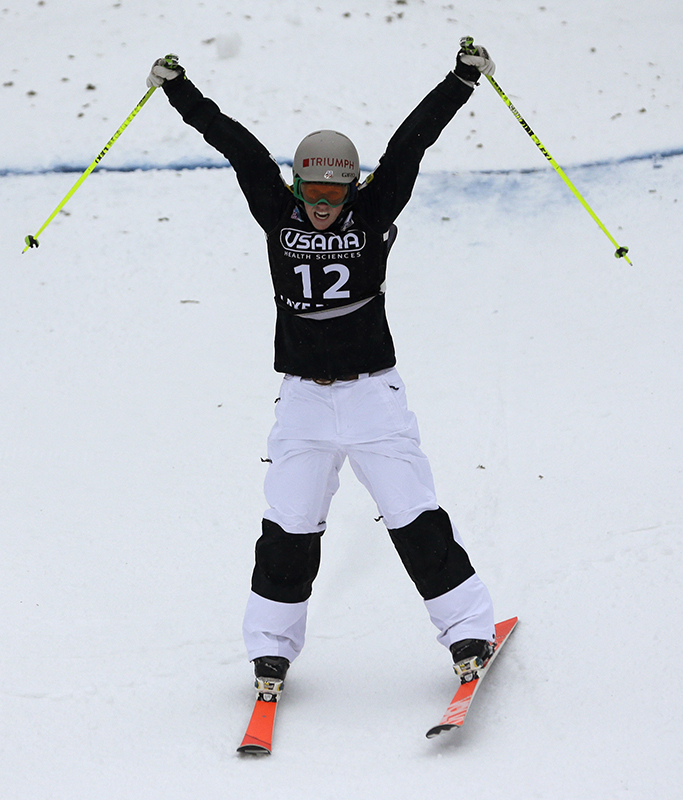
(136,394)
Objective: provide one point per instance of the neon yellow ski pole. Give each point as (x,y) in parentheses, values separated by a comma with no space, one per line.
(32,241)
(467,45)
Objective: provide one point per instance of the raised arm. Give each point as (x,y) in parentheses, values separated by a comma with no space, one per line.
(389,187)
(258,174)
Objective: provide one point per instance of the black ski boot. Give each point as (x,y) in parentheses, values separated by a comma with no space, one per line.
(271,667)
(270,674)
(470,655)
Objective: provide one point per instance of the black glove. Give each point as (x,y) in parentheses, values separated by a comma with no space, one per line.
(472,62)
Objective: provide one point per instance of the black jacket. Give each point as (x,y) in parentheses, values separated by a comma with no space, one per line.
(329,285)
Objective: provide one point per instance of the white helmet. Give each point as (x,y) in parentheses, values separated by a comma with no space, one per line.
(326,156)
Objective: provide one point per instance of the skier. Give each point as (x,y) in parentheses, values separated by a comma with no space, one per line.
(328,238)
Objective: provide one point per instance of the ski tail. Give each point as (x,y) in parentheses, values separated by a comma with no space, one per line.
(258,739)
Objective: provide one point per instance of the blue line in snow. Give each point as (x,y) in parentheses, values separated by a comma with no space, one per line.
(192,165)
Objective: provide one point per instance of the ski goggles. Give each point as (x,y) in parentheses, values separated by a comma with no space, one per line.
(334,194)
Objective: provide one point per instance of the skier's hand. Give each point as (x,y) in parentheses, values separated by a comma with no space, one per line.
(473,60)
(164,69)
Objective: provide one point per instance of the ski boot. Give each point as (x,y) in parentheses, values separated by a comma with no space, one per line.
(469,656)
(270,674)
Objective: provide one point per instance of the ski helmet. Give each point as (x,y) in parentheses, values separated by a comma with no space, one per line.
(326,156)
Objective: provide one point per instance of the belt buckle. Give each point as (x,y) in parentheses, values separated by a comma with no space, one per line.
(330,381)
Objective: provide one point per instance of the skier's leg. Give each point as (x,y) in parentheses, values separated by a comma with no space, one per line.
(303,474)
(274,629)
(286,566)
(301,481)
(435,561)
(458,602)
(465,612)
(386,455)
(397,474)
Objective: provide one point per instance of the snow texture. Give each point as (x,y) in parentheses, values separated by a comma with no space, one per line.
(137,392)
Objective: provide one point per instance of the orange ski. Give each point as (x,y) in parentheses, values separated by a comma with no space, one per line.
(258,740)
(460,704)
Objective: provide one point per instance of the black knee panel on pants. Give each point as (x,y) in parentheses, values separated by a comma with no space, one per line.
(286,564)
(434,560)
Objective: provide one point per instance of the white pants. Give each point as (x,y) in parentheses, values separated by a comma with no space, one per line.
(317,428)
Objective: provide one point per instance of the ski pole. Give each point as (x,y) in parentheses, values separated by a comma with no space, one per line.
(467,45)
(32,241)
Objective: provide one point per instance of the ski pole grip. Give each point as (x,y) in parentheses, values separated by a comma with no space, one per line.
(467,44)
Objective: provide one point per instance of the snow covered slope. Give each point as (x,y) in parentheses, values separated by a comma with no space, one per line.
(136,394)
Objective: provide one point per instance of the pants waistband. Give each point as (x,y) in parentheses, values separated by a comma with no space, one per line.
(345,378)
